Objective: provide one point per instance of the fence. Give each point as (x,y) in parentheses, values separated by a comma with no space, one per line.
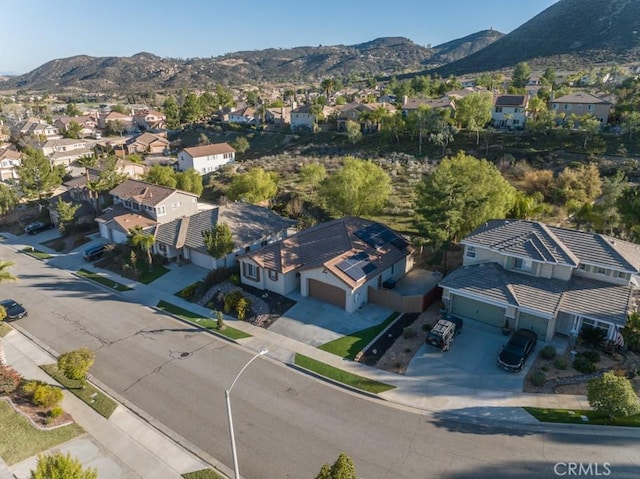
(404,304)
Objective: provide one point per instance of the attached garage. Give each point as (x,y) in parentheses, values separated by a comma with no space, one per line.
(328,293)
(472,309)
(535,323)
(201,259)
(118,236)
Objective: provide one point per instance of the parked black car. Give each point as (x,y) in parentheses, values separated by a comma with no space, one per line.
(515,352)
(37,227)
(14,310)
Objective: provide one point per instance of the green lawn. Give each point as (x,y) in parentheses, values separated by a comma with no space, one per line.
(348,346)
(341,376)
(147,276)
(202,474)
(565,416)
(20,440)
(98,278)
(95,398)
(4,329)
(208,323)
(36,254)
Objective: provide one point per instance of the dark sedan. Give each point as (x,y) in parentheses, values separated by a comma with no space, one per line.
(14,310)
(37,227)
(516,351)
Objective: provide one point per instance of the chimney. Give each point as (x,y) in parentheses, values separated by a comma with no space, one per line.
(405,99)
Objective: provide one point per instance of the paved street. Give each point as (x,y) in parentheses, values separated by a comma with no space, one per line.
(287,424)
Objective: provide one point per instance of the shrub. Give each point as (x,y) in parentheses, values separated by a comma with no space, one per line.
(407,350)
(55,412)
(217,275)
(545,368)
(189,291)
(548,352)
(46,395)
(231,300)
(426,328)
(583,365)
(235,278)
(592,336)
(538,378)
(29,387)
(408,333)
(242,307)
(592,356)
(561,363)
(76,364)
(9,380)
(219,320)
(613,395)
(60,465)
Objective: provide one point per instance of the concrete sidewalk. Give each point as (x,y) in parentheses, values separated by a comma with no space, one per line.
(121,447)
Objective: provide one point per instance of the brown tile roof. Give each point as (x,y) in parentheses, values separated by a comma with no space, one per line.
(10,155)
(125,219)
(141,192)
(206,150)
(327,245)
(149,138)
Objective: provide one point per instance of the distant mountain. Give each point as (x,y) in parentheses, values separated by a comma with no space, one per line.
(569,34)
(145,71)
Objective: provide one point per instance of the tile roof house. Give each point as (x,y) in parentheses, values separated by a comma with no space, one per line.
(336,262)
(548,279)
(246,115)
(251,227)
(105,118)
(136,203)
(207,158)
(148,119)
(88,124)
(362,113)
(509,111)
(66,150)
(148,143)
(582,103)
(9,160)
(410,105)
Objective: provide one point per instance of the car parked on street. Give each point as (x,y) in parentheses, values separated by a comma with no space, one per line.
(14,310)
(37,227)
(515,352)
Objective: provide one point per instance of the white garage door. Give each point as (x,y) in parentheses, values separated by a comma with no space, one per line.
(118,236)
(202,259)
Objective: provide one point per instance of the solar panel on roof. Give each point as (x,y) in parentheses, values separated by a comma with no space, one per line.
(356,266)
(376,235)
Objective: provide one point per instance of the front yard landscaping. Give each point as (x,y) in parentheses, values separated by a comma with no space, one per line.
(128,262)
(103,280)
(207,323)
(581,416)
(88,393)
(4,329)
(202,474)
(36,254)
(66,244)
(20,439)
(341,376)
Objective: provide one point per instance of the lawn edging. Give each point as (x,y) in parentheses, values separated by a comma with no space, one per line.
(34,253)
(102,280)
(208,324)
(314,368)
(91,395)
(594,418)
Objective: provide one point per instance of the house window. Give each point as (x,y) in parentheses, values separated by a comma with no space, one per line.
(516,122)
(264,243)
(161,211)
(498,109)
(273,275)
(600,270)
(136,206)
(567,107)
(471,252)
(247,249)
(127,204)
(592,323)
(555,106)
(621,274)
(522,264)
(583,267)
(590,107)
(250,271)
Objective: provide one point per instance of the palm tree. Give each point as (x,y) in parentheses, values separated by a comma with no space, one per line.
(5,276)
(142,240)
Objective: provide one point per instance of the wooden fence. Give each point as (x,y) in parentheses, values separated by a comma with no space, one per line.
(404,304)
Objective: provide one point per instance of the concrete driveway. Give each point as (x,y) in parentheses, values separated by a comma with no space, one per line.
(471,361)
(315,322)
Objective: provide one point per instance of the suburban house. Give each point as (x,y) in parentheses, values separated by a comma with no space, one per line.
(509,111)
(303,119)
(136,203)
(251,227)
(66,150)
(363,114)
(207,158)
(548,279)
(246,115)
(88,124)
(148,119)
(582,103)
(278,116)
(35,127)
(9,160)
(105,118)
(410,105)
(336,262)
(148,143)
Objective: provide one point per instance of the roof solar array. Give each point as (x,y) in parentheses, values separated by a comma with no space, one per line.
(356,266)
(377,236)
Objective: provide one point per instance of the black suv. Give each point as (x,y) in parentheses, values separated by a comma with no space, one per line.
(14,310)
(37,227)
(515,352)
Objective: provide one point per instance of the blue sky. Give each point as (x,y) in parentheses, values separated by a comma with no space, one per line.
(36,31)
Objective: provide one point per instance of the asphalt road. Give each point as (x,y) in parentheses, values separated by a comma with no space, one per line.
(287,424)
